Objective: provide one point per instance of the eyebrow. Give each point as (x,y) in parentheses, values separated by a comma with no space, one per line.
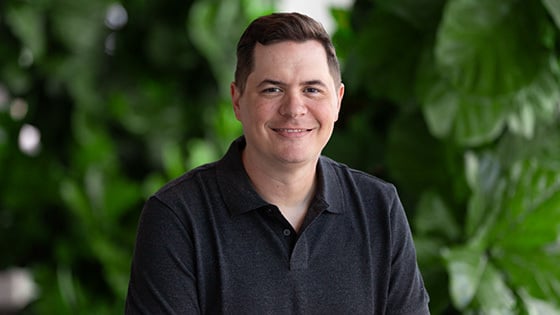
(271,82)
(275,82)
(314,82)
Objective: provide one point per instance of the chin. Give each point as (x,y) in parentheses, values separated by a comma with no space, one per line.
(298,158)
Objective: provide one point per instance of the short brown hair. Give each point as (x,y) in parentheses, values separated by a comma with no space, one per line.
(279,27)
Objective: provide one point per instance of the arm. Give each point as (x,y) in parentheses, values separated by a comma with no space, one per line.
(162,279)
(407,294)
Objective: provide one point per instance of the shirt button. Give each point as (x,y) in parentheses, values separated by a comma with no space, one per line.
(287,232)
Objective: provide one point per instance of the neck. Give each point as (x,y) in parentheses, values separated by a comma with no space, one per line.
(290,187)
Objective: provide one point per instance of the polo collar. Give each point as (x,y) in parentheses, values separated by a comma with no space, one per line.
(329,189)
(241,197)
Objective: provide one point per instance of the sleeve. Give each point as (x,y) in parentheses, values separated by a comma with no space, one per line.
(407,294)
(162,279)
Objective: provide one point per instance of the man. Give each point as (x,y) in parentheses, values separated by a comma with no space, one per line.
(274,227)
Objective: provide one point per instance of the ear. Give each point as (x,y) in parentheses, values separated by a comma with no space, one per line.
(340,95)
(235,96)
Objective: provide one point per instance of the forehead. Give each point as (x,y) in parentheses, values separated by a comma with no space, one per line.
(291,57)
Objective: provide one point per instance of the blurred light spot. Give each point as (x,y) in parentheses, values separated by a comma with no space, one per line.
(17,289)
(29,140)
(110,44)
(4,98)
(25,58)
(18,109)
(116,16)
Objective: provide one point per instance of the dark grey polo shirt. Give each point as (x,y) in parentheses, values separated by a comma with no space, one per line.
(207,243)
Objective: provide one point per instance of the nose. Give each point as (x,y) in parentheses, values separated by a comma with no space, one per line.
(293,105)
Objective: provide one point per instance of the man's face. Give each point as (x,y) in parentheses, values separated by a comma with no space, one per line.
(290,103)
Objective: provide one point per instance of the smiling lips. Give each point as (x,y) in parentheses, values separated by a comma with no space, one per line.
(291,132)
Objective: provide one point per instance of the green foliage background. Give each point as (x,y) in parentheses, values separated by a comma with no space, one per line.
(455,101)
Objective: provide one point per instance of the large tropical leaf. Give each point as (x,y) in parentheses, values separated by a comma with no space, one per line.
(466,266)
(526,239)
(526,253)
(490,47)
(515,212)
(493,294)
(492,70)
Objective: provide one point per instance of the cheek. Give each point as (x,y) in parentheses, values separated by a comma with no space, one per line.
(250,114)
(262,111)
(326,113)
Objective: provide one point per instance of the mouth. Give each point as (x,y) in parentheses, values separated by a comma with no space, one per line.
(292,132)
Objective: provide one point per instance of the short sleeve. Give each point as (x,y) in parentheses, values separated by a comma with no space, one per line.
(162,279)
(407,294)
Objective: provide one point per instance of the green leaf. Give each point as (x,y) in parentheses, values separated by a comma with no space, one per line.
(484,177)
(433,270)
(254,9)
(490,47)
(79,25)
(471,119)
(476,120)
(539,307)
(440,107)
(535,103)
(225,125)
(465,266)
(525,237)
(543,91)
(27,22)
(494,70)
(214,28)
(494,296)
(115,261)
(173,159)
(423,14)
(479,120)
(121,195)
(544,148)
(434,217)
(75,199)
(534,208)
(535,271)
(522,121)
(200,152)
(553,7)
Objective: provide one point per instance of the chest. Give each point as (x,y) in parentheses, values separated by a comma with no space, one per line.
(257,261)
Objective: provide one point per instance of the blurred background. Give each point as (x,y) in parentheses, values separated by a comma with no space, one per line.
(455,101)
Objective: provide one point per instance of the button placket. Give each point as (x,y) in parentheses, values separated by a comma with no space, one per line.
(300,254)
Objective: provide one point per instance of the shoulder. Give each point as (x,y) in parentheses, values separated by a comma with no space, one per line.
(356,179)
(192,177)
(189,187)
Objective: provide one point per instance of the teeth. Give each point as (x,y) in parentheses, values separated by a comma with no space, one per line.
(292,130)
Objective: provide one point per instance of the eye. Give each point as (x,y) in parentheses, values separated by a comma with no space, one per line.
(311,90)
(271,90)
